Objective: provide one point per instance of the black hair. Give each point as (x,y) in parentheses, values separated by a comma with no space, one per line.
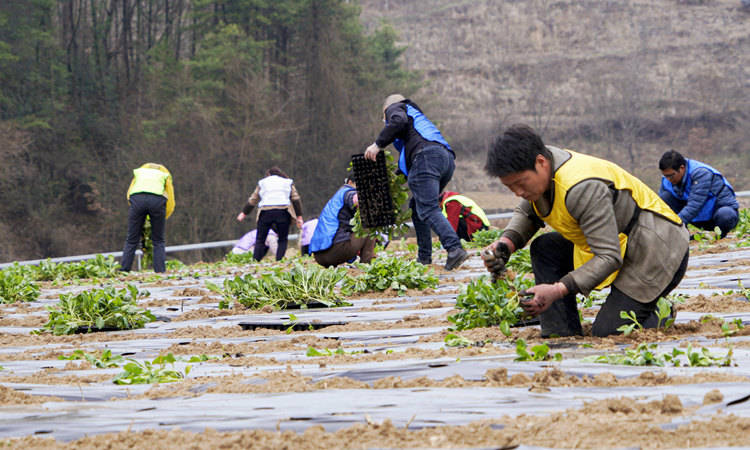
(276,171)
(515,151)
(672,160)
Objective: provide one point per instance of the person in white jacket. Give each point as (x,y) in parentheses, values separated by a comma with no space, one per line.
(278,202)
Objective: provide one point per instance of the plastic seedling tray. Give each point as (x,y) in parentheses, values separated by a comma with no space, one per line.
(373,189)
(285,325)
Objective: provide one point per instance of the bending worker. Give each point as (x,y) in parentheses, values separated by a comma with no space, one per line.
(278,202)
(610,228)
(463,213)
(428,163)
(698,193)
(333,241)
(150,194)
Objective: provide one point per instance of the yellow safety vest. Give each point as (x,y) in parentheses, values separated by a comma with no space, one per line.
(583,167)
(469,203)
(153,178)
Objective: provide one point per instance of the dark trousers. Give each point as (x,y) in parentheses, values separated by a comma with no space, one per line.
(277,220)
(552,258)
(430,172)
(142,205)
(344,251)
(724,217)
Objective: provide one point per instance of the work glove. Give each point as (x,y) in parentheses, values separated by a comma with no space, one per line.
(496,259)
(544,295)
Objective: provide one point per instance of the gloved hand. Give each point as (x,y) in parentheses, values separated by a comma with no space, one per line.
(544,296)
(495,259)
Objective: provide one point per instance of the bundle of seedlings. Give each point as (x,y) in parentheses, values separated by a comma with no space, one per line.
(97,310)
(483,303)
(391,273)
(17,286)
(283,288)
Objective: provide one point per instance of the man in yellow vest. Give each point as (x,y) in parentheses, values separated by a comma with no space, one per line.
(150,194)
(610,229)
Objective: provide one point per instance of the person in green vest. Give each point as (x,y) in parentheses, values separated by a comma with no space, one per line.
(463,213)
(150,194)
(610,229)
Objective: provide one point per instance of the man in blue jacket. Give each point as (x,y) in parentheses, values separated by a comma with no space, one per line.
(698,193)
(428,163)
(333,241)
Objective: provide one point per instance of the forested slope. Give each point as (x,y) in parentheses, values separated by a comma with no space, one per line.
(216,90)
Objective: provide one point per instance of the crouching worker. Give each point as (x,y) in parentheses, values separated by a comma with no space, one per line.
(610,229)
(698,193)
(463,213)
(333,242)
(247,242)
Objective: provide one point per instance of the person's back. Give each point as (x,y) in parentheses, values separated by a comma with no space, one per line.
(463,213)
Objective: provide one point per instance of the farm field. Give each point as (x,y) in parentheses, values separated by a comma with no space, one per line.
(382,371)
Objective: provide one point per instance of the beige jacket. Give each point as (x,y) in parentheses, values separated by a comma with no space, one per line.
(655,248)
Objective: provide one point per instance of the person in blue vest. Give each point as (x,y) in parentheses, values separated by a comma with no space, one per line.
(698,193)
(428,162)
(333,241)
(150,194)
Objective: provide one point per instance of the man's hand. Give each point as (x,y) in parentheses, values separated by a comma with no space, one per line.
(495,257)
(240,217)
(544,296)
(372,152)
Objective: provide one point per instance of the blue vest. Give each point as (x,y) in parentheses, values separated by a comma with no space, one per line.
(707,211)
(425,128)
(328,222)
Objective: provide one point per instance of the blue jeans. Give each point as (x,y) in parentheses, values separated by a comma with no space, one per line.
(430,172)
(142,205)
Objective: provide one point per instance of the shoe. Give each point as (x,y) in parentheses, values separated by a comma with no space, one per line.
(456,257)
(424,262)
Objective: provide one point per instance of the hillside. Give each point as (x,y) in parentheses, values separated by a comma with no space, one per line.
(624,80)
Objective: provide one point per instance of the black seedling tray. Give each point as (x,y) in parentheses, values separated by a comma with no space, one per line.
(526,323)
(284,325)
(373,189)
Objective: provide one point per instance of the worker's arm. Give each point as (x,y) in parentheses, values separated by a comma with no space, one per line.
(251,203)
(522,227)
(699,190)
(396,122)
(591,204)
(297,205)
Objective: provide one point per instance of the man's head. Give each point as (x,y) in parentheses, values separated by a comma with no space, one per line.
(521,161)
(672,165)
(391,99)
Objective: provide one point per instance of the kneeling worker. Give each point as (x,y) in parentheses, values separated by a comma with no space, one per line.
(333,242)
(698,193)
(610,228)
(464,215)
